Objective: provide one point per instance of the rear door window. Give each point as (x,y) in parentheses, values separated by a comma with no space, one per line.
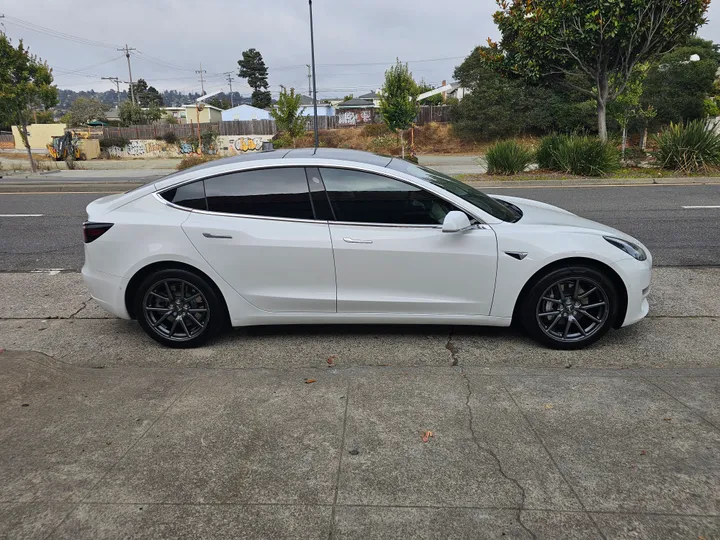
(188,196)
(280,192)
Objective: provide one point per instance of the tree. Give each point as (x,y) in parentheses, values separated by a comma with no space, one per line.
(85,109)
(146,95)
(591,46)
(677,88)
(25,86)
(153,113)
(287,114)
(397,103)
(627,105)
(252,68)
(223,104)
(130,114)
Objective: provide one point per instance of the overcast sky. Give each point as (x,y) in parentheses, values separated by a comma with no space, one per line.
(173,37)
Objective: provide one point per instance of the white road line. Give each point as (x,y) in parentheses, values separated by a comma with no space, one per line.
(694,207)
(22,215)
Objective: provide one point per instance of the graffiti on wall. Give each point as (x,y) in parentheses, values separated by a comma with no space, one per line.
(352,118)
(185,148)
(247,144)
(347,118)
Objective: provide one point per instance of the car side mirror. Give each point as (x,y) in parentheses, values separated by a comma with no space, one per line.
(455,221)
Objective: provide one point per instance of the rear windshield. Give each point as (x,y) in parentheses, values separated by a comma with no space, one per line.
(460,189)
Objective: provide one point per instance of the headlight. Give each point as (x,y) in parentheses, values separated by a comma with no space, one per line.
(631,249)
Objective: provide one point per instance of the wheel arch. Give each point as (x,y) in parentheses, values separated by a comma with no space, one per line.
(584,261)
(140,275)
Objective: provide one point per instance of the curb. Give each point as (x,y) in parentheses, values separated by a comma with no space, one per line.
(596,182)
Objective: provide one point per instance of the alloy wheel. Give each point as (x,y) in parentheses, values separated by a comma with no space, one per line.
(176,309)
(572,309)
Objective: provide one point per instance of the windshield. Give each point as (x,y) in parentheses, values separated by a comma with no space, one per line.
(458,188)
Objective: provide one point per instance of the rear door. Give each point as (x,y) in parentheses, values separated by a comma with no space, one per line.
(259,232)
(391,255)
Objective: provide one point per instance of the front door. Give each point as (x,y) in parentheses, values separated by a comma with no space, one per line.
(391,255)
(260,235)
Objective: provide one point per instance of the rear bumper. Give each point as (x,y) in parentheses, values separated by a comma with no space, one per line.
(107,290)
(637,276)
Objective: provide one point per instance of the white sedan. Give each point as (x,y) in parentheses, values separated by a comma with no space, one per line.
(339,236)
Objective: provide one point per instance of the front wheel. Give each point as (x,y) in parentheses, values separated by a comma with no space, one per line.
(570,308)
(178,308)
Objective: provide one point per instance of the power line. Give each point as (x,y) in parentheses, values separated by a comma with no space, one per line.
(127,55)
(70,72)
(230,80)
(27,25)
(201,71)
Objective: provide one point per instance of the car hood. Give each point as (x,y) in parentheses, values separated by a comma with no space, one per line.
(539,213)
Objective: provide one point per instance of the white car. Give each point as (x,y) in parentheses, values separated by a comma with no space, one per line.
(338,236)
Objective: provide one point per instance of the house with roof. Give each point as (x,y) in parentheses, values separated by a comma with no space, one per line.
(357,103)
(245,112)
(209,113)
(306,107)
(373,96)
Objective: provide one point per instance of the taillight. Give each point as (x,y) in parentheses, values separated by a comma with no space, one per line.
(93,231)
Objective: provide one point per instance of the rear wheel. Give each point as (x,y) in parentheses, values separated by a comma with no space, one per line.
(178,308)
(570,308)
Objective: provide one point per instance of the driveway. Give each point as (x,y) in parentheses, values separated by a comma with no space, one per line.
(360,432)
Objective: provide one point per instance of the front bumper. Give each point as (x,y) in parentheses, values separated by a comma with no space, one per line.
(636,276)
(107,290)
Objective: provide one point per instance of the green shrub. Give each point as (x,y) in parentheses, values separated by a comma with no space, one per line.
(547,151)
(583,155)
(170,137)
(508,157)
(385,144)
(688,148)
(120,142)
(192,161)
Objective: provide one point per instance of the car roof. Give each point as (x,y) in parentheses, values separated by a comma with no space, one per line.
(340,154)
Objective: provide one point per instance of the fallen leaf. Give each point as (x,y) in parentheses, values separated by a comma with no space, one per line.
(426,435)
(548,405)
(667,419)
(310,381)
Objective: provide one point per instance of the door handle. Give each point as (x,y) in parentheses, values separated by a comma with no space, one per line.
(222,236)
(356,241)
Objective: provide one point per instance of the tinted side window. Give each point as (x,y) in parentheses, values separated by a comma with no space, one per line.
(370,198)
(188,196)
(281,192)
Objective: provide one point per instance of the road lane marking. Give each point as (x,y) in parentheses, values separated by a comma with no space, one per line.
(22,215)
(707,206)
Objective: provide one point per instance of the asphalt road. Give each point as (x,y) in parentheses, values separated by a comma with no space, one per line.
(676,236)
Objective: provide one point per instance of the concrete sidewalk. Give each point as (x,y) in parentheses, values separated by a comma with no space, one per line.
(105,434)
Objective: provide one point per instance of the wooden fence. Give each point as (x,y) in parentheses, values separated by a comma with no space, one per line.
(428,113)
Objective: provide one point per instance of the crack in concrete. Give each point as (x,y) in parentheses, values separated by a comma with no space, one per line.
(491,453)
(450,346)
(84,305)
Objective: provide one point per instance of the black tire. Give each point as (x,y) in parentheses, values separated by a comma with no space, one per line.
(197,318)
(548,317)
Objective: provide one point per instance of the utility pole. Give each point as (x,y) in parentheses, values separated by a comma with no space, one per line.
(314,78)
(117,85)
(201,71)
(127,50)
(230,80)
(309,78)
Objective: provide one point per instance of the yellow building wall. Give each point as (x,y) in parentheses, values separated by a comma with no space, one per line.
(206,115)
(39,135)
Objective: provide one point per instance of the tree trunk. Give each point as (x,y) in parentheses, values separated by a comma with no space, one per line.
(602,84)
(26,141)
(624,140)
(402,144)
(643,140)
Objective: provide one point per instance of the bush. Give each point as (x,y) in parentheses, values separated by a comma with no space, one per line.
(547,150)
(374,130)
(688,148)
(170,137)
(192,161)
(385,144)
(508,157)
(581,155)
(120,142)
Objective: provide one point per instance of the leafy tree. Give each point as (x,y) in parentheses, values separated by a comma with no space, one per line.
(591,46)
(347,98)
(397,104)
(287,114)
(153,113)
(25,86)
(252,68)
(627,106)
(146,95)
(85,109)
(223,104)
(44,117)
(130,114)
(502,104)
(677,88)
(423,87)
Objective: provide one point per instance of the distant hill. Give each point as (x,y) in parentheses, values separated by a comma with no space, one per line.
(171,98)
